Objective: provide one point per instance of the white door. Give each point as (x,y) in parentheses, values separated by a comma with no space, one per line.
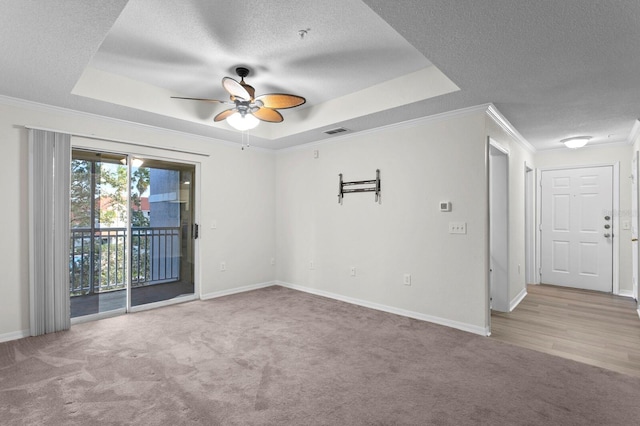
(577,228)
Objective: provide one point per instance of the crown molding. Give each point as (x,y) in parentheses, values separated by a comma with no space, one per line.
(25,104)
(490,109)
(635,132)
(400,125)
(500,120)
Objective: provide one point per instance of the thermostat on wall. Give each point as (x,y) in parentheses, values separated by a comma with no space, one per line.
(445,206)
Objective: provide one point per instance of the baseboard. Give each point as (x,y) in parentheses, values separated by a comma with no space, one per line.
(516,300)
(626,293)
(236,290)
(483,331)
(15,335)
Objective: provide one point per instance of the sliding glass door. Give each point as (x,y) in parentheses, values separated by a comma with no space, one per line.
(162,226)
(132,232)
(99,208)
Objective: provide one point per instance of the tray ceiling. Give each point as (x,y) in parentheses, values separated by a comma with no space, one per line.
(553,69)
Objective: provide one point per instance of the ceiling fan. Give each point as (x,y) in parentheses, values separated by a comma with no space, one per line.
(248,109)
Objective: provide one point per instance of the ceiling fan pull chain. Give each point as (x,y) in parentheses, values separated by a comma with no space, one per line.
(245,133)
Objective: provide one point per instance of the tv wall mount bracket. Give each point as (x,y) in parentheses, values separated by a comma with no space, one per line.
(360,186)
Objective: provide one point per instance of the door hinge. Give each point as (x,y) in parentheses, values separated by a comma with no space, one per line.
(196,231)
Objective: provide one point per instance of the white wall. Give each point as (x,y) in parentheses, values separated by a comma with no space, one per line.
(283,205)
(421,165)
(596,155)
(236,191)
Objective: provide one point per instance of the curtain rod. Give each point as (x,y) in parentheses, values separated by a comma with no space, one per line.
(97,138)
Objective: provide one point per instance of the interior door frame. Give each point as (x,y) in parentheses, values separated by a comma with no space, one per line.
(530,266)
(131,150)
(635,203)
(616,217)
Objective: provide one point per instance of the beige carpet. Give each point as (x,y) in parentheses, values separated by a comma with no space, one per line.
(280,357)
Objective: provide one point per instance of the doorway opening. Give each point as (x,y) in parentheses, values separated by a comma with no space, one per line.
(498,227)
(132,228)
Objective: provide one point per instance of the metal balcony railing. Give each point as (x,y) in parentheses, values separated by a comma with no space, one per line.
(97,258)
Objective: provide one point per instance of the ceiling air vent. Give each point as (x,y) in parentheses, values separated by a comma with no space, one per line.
(336,130)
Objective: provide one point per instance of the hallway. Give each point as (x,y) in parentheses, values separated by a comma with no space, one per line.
(586,326)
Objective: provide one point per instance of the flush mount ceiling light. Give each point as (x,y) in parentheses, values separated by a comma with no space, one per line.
(576,142)
(249,110)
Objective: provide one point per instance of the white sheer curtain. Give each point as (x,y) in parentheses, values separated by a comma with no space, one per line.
(49,180)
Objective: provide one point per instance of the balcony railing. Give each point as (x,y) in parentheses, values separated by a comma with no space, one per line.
(97,260)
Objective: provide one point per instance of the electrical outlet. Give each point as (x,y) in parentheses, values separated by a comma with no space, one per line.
(353,271)
(312,265)
(407,279)
(457,227)
(223,266)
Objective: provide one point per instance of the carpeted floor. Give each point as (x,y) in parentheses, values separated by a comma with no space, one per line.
(280,357)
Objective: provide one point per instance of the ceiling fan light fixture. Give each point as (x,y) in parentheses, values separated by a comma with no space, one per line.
(248,109)
(576,142)
(242,122)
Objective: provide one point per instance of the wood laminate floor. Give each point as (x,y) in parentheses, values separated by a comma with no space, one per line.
(586,326)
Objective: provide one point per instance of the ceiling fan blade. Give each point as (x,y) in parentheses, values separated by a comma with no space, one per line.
(224,114)
(281,100)
(268,114)
(215,101)
(235,89)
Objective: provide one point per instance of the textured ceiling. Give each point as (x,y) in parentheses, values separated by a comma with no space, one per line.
(188,46)
(156,50)
(554,69)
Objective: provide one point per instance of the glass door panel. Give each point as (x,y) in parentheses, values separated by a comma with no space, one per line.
(98,223)
(162,223)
